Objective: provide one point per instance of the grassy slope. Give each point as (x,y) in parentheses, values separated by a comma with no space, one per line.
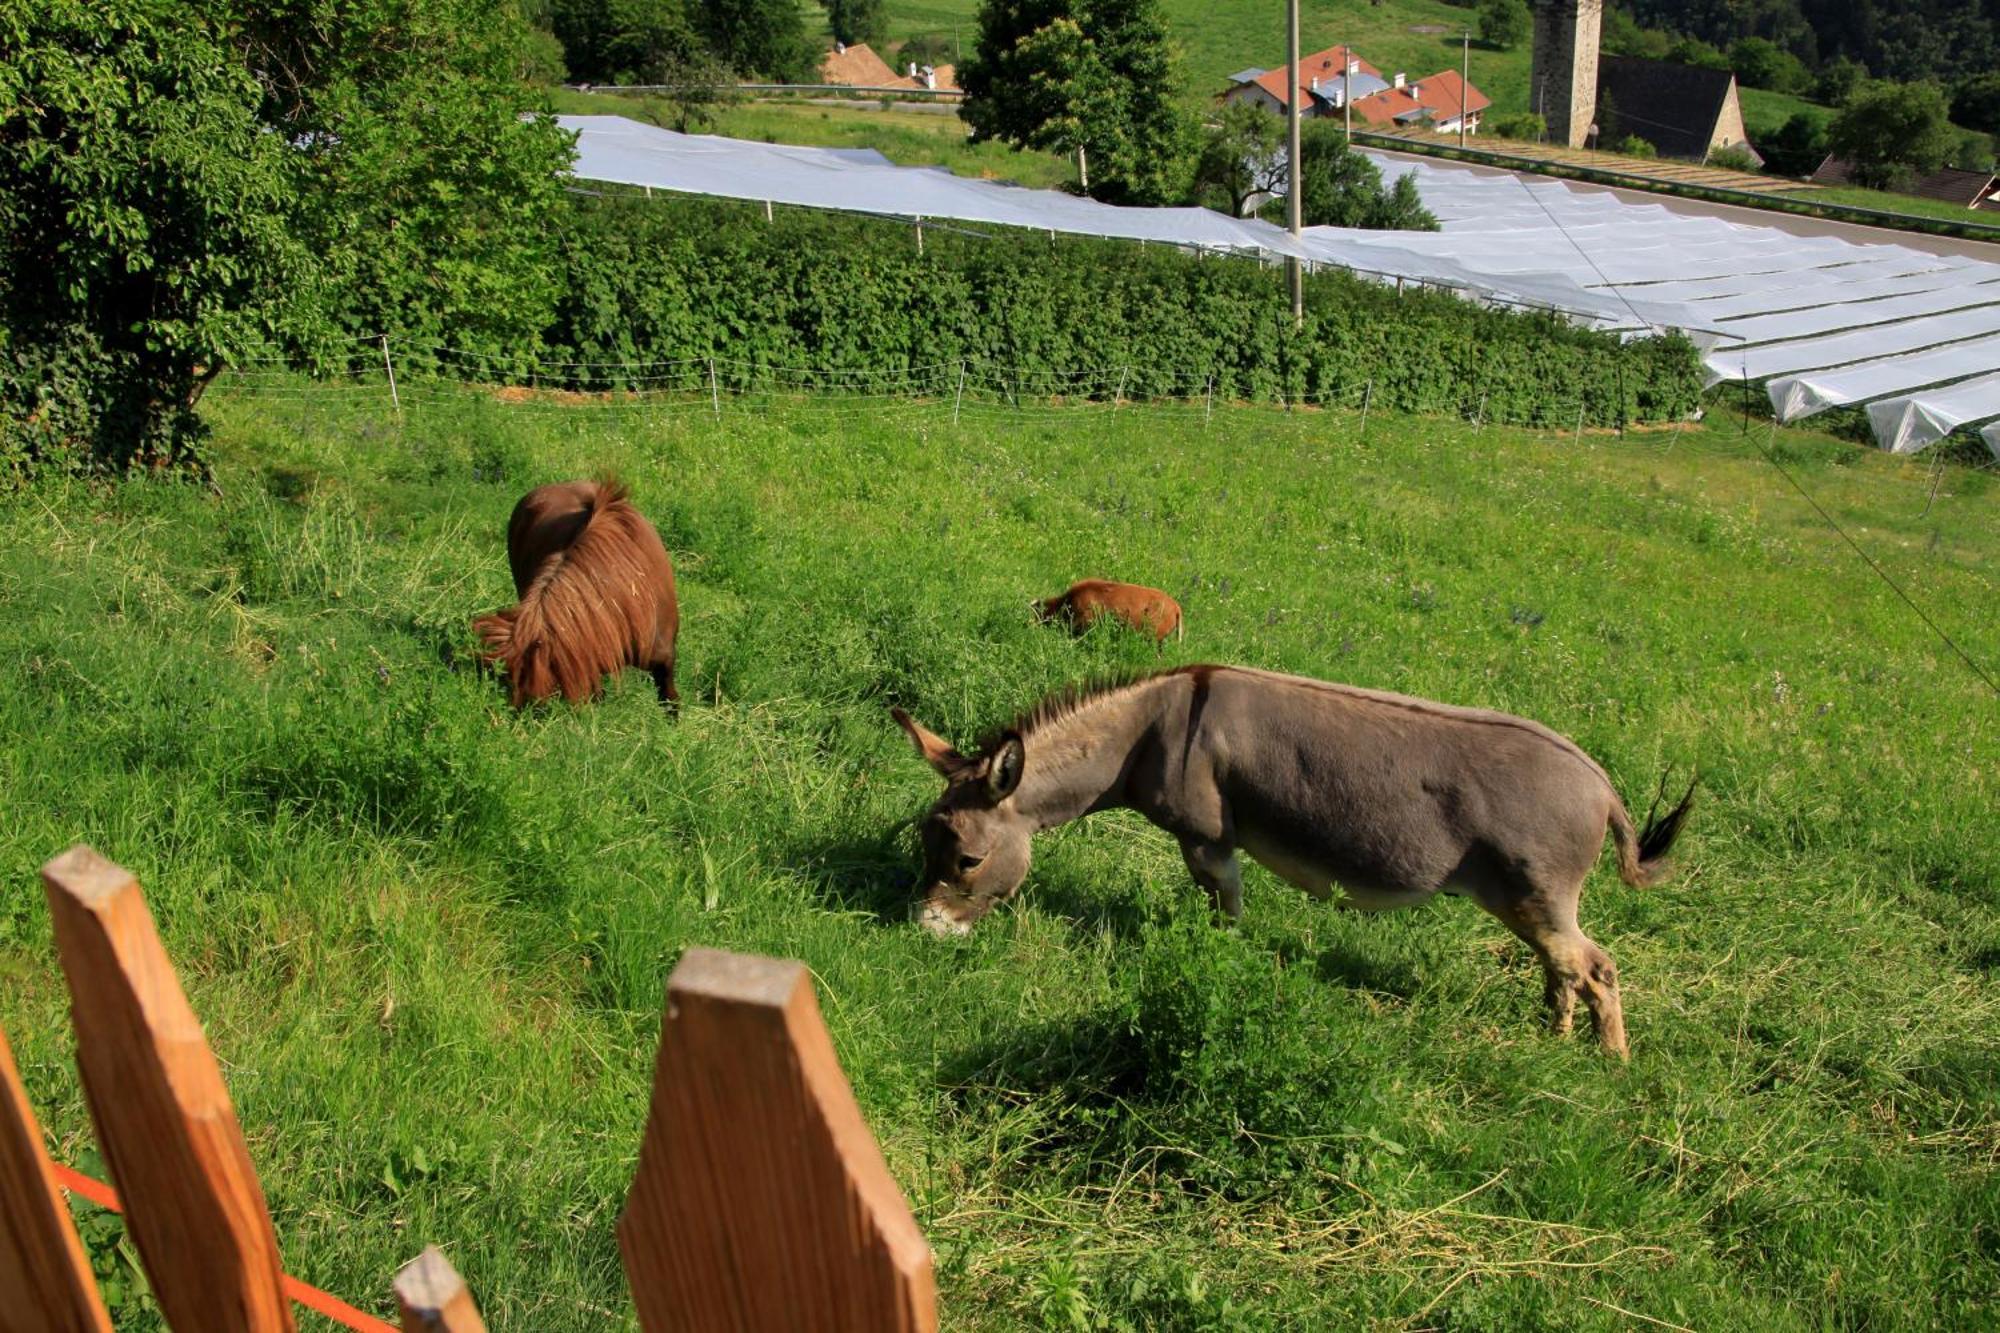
(428,936)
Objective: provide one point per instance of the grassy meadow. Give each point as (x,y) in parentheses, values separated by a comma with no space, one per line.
(428,936)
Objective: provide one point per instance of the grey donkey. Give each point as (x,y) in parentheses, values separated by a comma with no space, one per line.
(1392,798)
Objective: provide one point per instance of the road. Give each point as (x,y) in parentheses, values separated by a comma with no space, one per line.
(1795,223)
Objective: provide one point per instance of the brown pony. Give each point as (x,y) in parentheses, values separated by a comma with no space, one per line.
(1147,610)
(596,590)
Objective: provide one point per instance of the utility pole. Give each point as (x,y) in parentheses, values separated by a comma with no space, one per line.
(1347,90)
(1464,83)
(1293,202)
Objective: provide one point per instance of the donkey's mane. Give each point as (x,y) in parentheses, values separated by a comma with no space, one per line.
(1070,700)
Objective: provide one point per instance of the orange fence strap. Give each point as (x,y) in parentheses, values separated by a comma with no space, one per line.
(339,1311)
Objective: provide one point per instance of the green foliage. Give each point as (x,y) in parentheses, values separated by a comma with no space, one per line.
(1976,103)
(857,21)
(429,177)
(848,299)
(1632,145)
(626,41)
(1797,147)
(766,39)
(1888,130)
(1694,51)
(1972,151)
(1838,79)
(1622,36)
(1340,187)
(1504,24)
(1527,126)
(1097,75)
(1734,158)
(142,236)
(1762,63)
(1242,155)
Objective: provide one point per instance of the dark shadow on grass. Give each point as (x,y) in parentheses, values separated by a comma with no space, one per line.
(865,873)
(1340,965)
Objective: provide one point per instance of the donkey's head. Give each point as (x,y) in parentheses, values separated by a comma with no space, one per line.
(976,843)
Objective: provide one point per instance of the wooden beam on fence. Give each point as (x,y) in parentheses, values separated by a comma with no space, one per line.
(433,1298)
(45,1281)
(164,1121)
(761,1200)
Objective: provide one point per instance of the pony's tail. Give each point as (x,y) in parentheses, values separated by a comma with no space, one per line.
(1642,855)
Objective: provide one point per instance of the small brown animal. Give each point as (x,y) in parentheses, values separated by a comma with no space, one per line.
(1147,610)
(597,595)
(1389,798)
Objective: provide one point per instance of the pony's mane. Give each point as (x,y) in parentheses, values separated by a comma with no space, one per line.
(590,609)
(1070,700)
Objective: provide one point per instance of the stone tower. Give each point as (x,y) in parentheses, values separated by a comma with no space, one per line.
(1564,87)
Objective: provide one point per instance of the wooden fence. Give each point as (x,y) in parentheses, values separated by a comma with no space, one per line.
(761,1200)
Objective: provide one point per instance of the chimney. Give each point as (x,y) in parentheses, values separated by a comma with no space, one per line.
(913,69)
(1315,83)
(1399,79)
(1416,90)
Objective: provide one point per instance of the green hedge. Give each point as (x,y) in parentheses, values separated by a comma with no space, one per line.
(850,302)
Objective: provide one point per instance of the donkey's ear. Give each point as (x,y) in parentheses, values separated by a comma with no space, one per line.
(935,749)
(1004,765)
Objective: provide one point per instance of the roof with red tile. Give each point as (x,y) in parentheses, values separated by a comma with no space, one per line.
(1440,96)
(1325,66)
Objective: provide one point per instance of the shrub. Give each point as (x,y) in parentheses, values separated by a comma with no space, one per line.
(1633,146)
(848,299)
(1734,158)
(1525,125)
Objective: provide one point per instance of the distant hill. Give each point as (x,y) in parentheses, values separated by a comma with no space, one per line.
(1220,37)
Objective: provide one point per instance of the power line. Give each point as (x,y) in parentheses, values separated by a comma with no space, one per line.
(1880,573)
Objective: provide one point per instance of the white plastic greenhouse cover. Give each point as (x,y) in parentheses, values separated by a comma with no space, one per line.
(1907,425)
(1836,320)
(1797,396)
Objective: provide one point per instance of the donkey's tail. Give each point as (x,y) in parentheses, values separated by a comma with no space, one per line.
(1642,855)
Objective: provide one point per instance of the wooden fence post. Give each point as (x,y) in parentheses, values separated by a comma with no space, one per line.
(432,1297)
(761,1201)
(163,1117)
(45,1281)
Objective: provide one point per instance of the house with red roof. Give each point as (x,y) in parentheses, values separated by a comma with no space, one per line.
(1327,81)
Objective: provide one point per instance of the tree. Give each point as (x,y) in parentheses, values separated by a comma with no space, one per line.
(142,235)
(1972,151)
(428,177)
(1339,187)
(1976,103)
(1694,51)
(1888,130)
(1797,147)
(1094,77)
(1505,24)
(857,21)
(1624,37)
(1762,63)
(1242,156)
(765,37)
(625,41)
(1838,79)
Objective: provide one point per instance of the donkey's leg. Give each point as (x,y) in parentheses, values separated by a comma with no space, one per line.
(1215,867)
(1573,963)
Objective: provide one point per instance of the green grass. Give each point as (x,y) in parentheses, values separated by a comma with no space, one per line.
(428,936)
